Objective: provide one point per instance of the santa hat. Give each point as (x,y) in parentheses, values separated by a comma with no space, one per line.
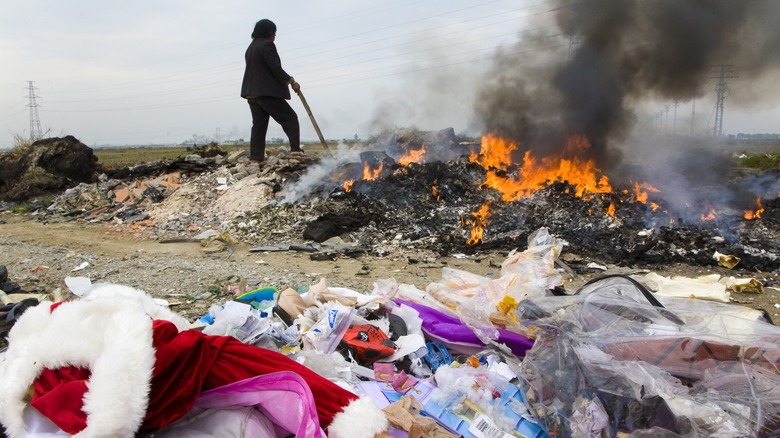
(111,338)
(112,334)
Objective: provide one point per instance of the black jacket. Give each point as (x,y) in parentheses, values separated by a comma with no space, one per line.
(264,75)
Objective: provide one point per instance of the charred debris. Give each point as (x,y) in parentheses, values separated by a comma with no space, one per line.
(406,189)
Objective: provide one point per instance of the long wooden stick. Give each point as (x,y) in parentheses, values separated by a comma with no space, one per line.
(314,122)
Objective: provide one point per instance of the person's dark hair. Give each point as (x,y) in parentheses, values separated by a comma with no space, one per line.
(264,29)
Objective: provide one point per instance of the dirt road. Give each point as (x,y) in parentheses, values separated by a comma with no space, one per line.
(39,256)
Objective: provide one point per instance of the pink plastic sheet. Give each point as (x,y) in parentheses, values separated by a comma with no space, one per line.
(283,397)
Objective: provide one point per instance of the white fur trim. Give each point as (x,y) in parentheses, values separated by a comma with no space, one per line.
(360,419)
(109,331)
(140,298)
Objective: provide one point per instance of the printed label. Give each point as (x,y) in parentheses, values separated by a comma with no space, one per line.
(483,427)
(332,317)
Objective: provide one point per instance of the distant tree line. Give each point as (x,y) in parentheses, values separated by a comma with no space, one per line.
(761,136)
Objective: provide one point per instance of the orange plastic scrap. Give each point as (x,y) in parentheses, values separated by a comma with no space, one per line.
(121,194)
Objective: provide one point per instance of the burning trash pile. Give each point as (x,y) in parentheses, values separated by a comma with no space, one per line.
(484,198)
(563,167)
(467,356)
(428,190)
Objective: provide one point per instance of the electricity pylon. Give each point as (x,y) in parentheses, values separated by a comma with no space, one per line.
(35,121)
(722,74)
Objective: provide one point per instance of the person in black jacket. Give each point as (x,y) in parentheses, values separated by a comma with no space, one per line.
(265,88)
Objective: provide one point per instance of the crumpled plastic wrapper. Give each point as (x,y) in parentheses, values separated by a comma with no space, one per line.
(405,414)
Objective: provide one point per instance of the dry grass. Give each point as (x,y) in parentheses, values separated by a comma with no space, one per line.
(115,158)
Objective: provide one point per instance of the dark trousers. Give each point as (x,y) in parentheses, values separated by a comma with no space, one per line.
(262,109)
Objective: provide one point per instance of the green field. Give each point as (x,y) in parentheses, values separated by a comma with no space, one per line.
(761,162)
(113,158)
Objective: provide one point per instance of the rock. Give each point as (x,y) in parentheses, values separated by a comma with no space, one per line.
(235,156)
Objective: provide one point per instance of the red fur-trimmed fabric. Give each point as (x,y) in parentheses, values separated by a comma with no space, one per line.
(187,363)
(64,387)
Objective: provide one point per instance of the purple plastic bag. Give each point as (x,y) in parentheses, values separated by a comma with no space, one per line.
(457,336)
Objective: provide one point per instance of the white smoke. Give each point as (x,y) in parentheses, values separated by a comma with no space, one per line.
(318,175)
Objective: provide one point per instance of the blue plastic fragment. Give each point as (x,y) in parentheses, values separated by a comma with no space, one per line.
(437,355)
(261,294)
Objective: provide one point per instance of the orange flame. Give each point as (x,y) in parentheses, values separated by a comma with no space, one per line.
(435,191)
(494,152)
(750,214)
(348,185)
(370,174)
(535,174)
(611,209)
(478,223)
(640,192)
(413,156)
(710,216)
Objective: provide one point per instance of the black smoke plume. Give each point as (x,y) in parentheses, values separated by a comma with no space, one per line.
(595,63)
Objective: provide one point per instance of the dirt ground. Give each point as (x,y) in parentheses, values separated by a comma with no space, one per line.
(39,256)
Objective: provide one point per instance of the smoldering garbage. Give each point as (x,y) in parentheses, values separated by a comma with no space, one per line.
(470,355)
(609,358)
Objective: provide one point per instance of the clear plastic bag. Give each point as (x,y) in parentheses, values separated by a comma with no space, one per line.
(486,305)
(677,367)
(537,261)
(325,334)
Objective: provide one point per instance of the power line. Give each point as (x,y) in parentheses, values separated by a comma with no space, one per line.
(12,113)
(358,75)
(236,66)
(189,81)
(424,31)
(355,76)
(329,42)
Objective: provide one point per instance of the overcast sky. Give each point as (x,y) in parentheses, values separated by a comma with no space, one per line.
(142,72)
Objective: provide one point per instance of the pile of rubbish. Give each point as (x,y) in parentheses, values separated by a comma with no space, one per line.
(379,199)
(442,205)
(470,356)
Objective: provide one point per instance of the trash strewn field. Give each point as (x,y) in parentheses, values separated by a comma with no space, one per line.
(532,328)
